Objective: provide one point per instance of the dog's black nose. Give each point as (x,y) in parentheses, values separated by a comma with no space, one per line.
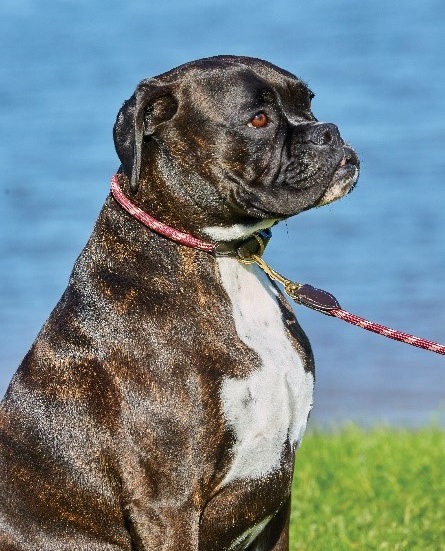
(324,133)
(318,133)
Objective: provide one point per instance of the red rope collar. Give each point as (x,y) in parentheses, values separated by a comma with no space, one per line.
(250,250)
(241,248)
(155,225)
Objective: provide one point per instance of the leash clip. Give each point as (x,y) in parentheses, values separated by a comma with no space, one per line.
(253,247)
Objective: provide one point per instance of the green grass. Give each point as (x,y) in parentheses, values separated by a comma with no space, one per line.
(377,489)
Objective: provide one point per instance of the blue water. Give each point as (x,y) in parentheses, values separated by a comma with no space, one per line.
(378,69)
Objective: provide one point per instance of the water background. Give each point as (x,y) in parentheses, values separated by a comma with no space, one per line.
(378,70)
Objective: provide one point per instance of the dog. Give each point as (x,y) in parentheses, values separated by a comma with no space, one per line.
(162,403)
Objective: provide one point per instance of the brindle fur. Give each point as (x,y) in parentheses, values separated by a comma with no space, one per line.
(112,436)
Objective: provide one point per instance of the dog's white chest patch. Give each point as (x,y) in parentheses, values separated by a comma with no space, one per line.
(271,405)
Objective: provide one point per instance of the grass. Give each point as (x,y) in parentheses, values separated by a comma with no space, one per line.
(379,489)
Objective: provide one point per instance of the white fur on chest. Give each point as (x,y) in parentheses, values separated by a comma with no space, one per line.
(271,405)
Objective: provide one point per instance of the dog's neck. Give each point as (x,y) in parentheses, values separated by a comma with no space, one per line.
(238,240)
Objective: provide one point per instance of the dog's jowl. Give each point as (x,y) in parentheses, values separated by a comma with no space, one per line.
(162,403)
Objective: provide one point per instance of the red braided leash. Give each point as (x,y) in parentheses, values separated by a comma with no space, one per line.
(388,332)
(307,295)
(326,303)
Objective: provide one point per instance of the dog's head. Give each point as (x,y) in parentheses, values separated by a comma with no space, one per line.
(233,137)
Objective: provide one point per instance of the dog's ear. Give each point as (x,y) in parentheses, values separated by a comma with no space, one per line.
(150,105)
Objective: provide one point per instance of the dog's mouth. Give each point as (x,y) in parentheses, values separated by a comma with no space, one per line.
(318,183)
(344,179)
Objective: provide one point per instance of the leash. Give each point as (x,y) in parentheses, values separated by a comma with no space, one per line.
(250,251)
(326,303)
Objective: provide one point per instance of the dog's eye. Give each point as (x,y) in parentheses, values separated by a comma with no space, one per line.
(259,120)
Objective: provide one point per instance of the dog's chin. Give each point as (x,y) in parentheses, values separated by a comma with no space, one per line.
(342,183)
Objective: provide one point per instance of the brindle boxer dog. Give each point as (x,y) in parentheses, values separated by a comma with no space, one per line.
(164,399)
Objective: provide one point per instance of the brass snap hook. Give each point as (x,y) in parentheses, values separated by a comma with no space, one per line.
(253,247)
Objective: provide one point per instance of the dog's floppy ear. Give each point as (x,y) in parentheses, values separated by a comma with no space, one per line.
(150,105)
